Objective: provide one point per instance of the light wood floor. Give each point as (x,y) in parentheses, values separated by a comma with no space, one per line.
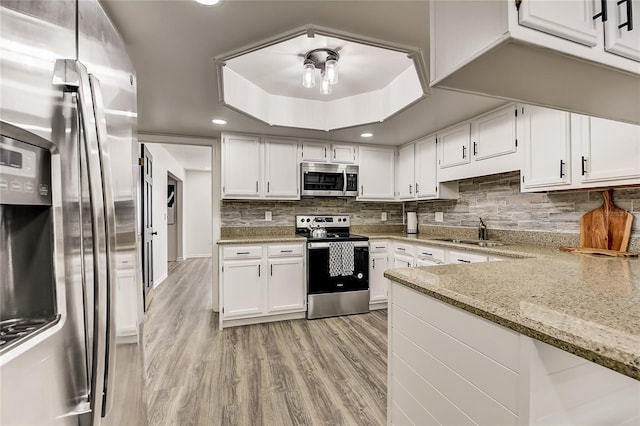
(322,372)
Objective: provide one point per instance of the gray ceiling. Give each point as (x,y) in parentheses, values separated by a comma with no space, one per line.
(172,43)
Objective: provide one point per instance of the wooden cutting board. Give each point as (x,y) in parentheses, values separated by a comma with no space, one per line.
(607,227)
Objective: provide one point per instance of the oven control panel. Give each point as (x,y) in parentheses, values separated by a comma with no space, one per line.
(326,221)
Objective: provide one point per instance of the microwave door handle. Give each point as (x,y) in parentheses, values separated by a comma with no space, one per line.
(72,76)
(110,215)
(344,182)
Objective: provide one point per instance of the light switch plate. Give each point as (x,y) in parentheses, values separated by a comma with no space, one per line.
(383,216)
(268,217)
(439,217)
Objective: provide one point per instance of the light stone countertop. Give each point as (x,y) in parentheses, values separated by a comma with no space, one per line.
(266,239)
(584,304)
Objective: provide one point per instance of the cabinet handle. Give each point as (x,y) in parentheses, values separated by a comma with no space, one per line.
(464,261)
(361,189)
(380,247)
(584,166)
(603,11)
(417,190)
(272,269)
(243,252)
(286,251)
(561,168)
(427,254)
(334,154)
(464,152)
(268,186)
(629,23)
(475,148)
(410,189)
(374,263)
(258,270)
(325,152)
(401,249)
(256,186)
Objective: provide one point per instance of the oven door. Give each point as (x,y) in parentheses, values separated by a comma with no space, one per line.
(320,280)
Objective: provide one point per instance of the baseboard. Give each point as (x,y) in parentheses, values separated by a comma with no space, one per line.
(159,281)
(377,305)
(197,255)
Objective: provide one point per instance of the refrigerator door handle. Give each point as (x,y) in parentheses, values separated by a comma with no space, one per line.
(72,76)
(110,216)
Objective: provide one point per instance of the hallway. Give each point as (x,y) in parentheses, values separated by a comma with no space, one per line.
(327,371)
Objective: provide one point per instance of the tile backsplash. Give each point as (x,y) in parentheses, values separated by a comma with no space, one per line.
(495,198)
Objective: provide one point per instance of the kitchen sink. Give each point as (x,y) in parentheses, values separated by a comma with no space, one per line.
(480,243)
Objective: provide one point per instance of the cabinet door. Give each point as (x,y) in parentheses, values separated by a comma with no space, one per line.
(376,173)
(241,166)
(454,146)
(494,134)
(243,288)
(569,19)
(379,262)
(345,154)
(286,285)
(282,174)
(426,167)
(314,151)
(406,176)
(127,303)
(622,41)
(610,150)
(546,138)
(401,261)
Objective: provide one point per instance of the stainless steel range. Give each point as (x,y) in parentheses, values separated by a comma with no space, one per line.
(337,266)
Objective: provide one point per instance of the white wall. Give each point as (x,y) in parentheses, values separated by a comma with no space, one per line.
(163,162)
(197,213)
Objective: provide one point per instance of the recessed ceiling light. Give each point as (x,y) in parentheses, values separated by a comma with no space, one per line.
(219,121)
(366,135)
(208,2)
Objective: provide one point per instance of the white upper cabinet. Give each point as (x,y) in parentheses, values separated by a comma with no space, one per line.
(485,145)
(494,134)
(314,151)
(608,150)
(282,174)
(406,175)
(376,173)
(546,139)
(622,29)
(241,166)
(572,20)
(344,154)
(426,159)
(564,54)
(454,146)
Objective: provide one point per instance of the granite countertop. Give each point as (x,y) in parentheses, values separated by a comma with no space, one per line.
(584,304)
(256,239)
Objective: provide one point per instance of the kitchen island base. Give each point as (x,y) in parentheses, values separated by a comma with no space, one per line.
(449,366)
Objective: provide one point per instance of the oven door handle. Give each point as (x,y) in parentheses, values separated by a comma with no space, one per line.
(325,245)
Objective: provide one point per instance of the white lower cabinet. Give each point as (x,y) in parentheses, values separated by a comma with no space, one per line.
(448,366)
(458,256)
(127,302)
(378,283)
(262,283)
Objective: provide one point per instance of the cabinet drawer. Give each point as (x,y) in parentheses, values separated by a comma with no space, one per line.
(378,246)
(285,250)
(405,249)
(465,257)
(430,253)
(242,252)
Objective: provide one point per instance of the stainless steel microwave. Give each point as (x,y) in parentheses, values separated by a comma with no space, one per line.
(326,180)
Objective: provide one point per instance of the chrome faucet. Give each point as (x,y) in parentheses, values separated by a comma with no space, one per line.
(482,230)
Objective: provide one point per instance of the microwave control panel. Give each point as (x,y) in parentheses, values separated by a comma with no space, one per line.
(25,173)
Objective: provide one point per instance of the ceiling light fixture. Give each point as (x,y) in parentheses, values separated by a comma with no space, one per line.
(219,121)
(326,60)
(208,2)
(366,135)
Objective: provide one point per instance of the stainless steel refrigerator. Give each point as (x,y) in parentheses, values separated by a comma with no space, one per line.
(70,281)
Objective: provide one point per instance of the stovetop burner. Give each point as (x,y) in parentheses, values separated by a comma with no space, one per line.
(14,329)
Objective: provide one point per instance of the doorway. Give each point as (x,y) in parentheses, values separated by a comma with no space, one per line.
(174,219)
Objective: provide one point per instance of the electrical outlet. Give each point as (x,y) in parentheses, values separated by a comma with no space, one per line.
(268,217)
(439,217)
(383,216)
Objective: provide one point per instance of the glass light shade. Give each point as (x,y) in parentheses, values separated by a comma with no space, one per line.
(308,75)
(325,86)
(331,71)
